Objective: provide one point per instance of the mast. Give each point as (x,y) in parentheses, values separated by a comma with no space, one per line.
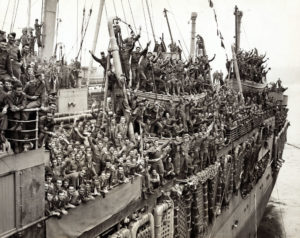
(150,20)
(49,23)
(98,23)
(114,49)
(238,18)
(29,13)
(193,34)
(236,70)
(166,16)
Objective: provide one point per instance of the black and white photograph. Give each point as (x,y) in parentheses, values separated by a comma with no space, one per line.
(149,118)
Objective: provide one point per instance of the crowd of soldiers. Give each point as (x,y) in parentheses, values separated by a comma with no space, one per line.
(89,158)
(175,138)
(170,138)
(251,66)
(158,71)
(27,81)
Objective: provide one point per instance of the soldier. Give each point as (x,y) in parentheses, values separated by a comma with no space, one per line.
(5,63)
(122,127)
(50,207)
(46,125)
(135,59)
(187,159)
(17,102)
(2,36)
(14,54)
(38,32)
(3,116)
(125,54)
(35,92)
(102,61)
(130,41)
(155,179)
(74,74)
(156,156)
(31,39)
(199,46)
(118,33)
(24,38)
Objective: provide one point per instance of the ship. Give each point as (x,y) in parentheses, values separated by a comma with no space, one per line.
(225,199)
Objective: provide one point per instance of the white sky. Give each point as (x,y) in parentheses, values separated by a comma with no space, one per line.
(272,26)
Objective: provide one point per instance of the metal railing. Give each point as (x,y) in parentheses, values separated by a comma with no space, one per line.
(248,124)
(36,129)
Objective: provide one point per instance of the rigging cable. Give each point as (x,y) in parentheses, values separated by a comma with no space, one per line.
(145,20)
(17,7)
(84,33)
(152,14)
(132,16)
(106,11)
(147,4)
(124,16)
(178,29)
(8,3)
(81,32)
(12,17)
(115,8)
(295,146)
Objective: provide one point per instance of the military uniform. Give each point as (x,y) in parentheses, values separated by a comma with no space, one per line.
(5,66)
(15,56)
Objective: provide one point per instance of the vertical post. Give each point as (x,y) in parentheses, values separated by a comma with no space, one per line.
(193,34)
(29,13)
(238,17)
(166,16)
(49,22)
(150,20)
(236,70)
(118,72)
(106,86)
(77,26)
(37,129)
(98,23)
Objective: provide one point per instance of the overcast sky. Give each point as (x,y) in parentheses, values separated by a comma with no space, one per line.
(272,26)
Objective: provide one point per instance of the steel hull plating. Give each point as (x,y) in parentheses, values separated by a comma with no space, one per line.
(243,216)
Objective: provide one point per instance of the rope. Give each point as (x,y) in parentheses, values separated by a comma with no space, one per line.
(106,10)
(295,146)
(16,13)
(178,29)
(84,33)
(145,20)
(150,20)
(115,8)
(131,15)
(13,16)
(152,14)
(124,15)
(8,3)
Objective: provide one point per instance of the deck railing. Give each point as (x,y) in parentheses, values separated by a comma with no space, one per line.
(33,123)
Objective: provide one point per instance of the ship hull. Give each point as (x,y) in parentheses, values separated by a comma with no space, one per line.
(242,217)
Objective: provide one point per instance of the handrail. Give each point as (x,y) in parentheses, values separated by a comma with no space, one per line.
(24,130)
(36,130)
(23,140)
(23,121)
